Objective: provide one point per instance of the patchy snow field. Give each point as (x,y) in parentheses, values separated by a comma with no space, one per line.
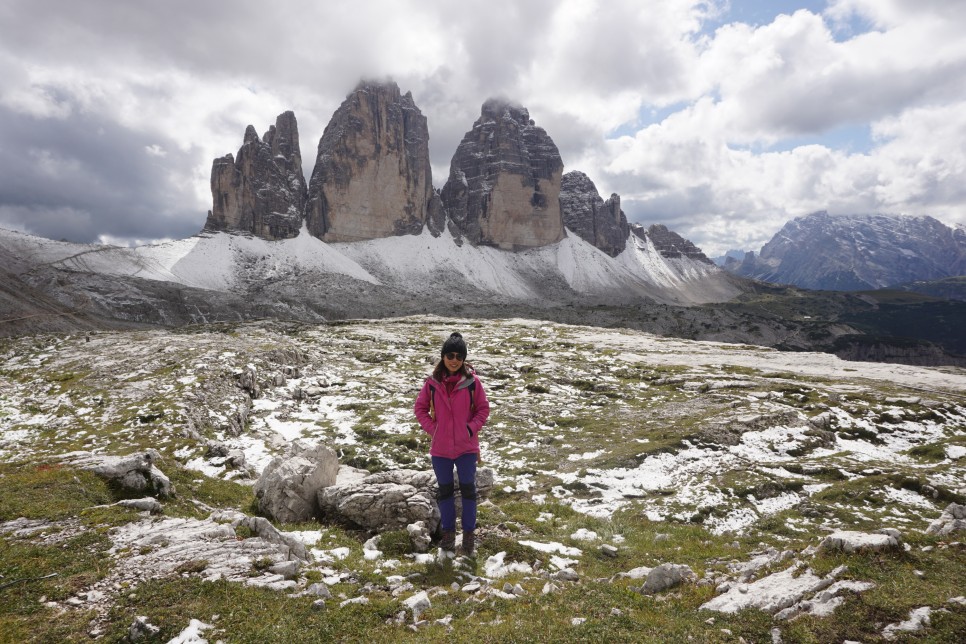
(599,419)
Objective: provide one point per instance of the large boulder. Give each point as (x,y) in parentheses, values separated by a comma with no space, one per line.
(392,500)
(287,490)
(585,213)
(372,176)
(504,182)
(262,191)
(379,506)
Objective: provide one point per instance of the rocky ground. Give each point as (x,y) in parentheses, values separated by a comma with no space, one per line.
(645,488)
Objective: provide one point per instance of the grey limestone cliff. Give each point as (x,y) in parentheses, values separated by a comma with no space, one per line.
(504,183)
(262,191)
(372,176)
(670,244)
(586,214)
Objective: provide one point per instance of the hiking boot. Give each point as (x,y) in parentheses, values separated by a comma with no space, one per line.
(469,543)
(448,542)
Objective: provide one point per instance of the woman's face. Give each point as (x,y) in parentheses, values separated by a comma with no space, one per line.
(453,362)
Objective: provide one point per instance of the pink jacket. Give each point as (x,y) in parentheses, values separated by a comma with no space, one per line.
(455,428)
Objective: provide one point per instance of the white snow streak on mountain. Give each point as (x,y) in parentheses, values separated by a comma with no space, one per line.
(226,262)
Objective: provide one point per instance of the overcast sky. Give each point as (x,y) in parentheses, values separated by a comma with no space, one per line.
(720,119)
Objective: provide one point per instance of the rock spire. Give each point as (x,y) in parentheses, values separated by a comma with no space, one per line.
(262,191)
(586,214)
(372,176)
(670,244)
(504,183)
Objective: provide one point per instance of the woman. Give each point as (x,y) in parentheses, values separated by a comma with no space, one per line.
(452,408)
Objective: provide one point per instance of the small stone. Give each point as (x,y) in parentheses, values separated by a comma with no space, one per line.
(318,604)
(577,621)
(566,574)
(287,569)
(147,504)
(608,550)
(666,576)
(319,589)
(616,612)
(892,532)
(354,600)
(417,604)
(141,629)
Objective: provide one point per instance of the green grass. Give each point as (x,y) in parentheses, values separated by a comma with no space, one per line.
(48,491)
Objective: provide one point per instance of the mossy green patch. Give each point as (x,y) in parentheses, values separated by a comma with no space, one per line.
(49,491)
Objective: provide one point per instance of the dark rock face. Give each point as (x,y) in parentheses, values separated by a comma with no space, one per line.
(585,213)
(504,183)
(858,252)
(372,176)
(263,191)
(669,243)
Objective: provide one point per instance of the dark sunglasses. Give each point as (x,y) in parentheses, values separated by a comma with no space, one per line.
(453,356)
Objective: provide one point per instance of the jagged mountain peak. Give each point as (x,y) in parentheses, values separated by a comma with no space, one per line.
(587,215)
(670,244)
(857,252)
(501,107)
(262,191)
(503,188)
(372,176)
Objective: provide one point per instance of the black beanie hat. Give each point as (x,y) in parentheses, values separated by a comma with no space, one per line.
(454,344)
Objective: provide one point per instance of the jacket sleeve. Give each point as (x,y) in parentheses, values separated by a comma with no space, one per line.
(422,410)
(482,408)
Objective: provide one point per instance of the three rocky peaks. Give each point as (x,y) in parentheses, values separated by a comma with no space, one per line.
(372,179)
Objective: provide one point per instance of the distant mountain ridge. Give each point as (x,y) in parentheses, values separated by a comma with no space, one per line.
(857,252)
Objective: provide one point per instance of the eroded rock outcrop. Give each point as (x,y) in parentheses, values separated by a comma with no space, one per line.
(287,488)
(669,243)
(953,519)
(372,176)
(263,190)
(504,183)
(585,213)
(132,473)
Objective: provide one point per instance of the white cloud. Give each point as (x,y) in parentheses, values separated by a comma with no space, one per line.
(738,150)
